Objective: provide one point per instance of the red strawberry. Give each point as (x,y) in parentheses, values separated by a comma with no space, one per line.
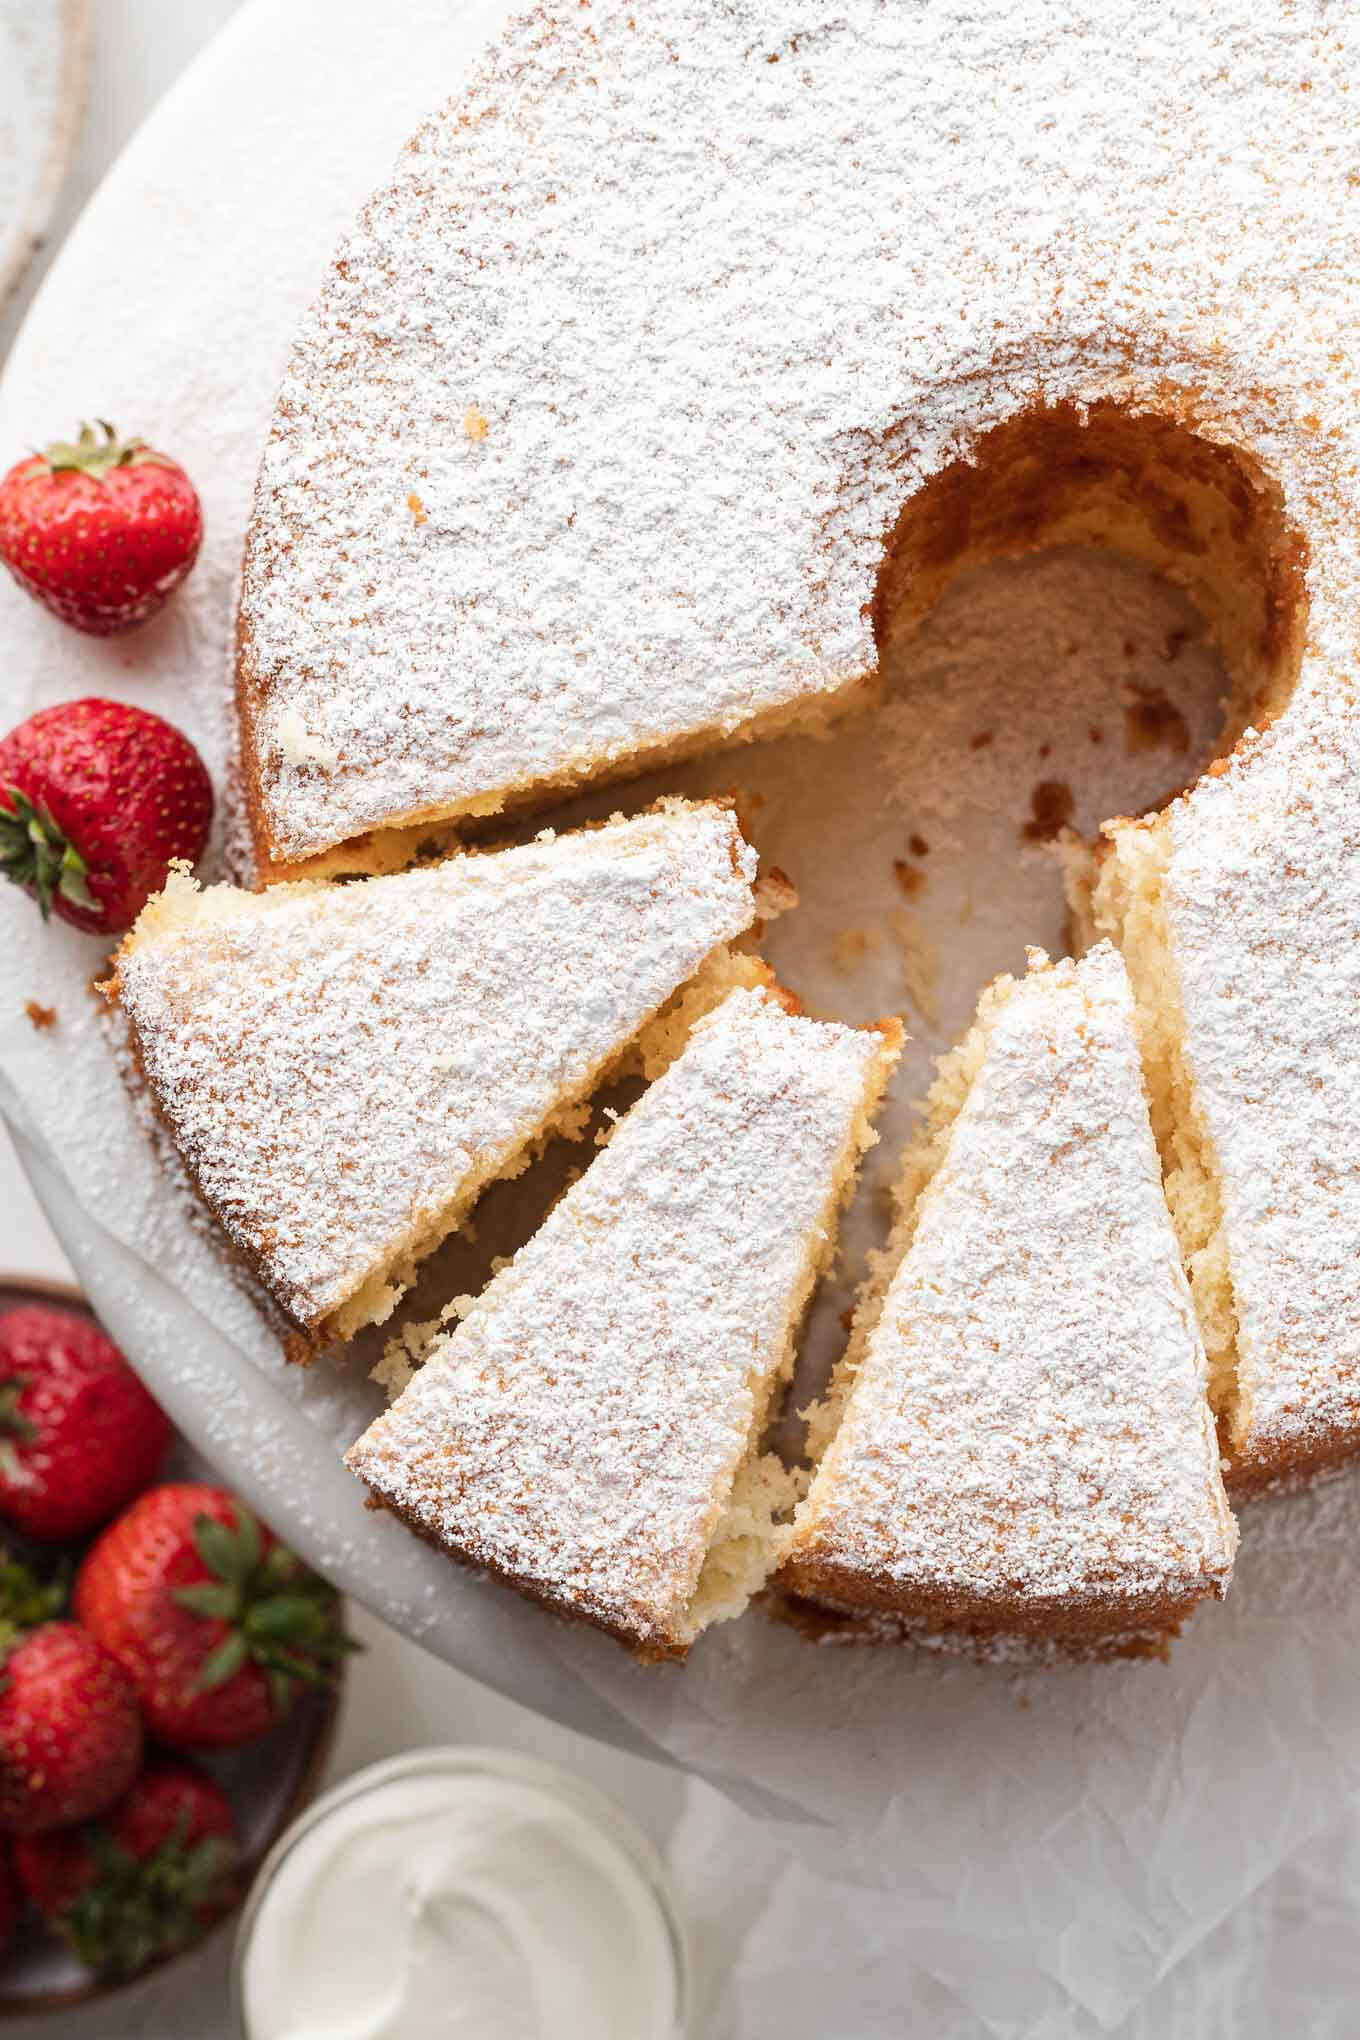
(96,798)
(146,1879)
(215,1622)
(70,1734)
(101,532)
(79,1435)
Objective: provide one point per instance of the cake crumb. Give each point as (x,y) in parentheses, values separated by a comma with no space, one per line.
(1153,720)
(416,508)
(918,845)
(43,1018)
(775,894)
(475,424)
(853,946)
(909,877)
(1051,809)
(404,1352)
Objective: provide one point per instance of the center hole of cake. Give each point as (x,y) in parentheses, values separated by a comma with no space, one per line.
(1131,582)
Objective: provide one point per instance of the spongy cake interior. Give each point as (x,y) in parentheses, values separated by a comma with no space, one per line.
(955,1074)
(1126,905)
(751,1537)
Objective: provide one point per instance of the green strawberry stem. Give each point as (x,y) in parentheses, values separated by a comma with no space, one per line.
(136,1909)
(26,1601)
(35,854)
(280,1616)
(89,455)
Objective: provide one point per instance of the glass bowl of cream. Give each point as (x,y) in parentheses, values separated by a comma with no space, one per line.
(447,1894)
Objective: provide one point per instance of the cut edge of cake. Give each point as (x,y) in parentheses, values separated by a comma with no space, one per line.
(839,1606)
(1125,906)
(659,1037)
(750,1536)
(1121,894)
(754,1533)
(391,844)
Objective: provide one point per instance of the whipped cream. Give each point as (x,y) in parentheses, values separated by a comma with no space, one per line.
(454,1897)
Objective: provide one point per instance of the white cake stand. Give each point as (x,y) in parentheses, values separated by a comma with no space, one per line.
(42,77)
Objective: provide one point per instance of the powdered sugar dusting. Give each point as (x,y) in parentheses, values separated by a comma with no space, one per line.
(581,1429)
(333,1061)
(1029,1420)
(727,284)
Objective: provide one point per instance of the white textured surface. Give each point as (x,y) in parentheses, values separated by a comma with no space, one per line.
(41,82)
(336,1062)
(992,1857)
(1263,902)
(581,1429)
(1029,1422)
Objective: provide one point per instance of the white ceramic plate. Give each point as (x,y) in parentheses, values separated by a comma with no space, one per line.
(42,77)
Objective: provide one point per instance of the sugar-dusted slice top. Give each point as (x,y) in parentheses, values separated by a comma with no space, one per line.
(581,1430)
(1028,1422)
(335,1061)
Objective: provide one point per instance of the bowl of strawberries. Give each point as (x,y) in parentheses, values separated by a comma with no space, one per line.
(169,1671)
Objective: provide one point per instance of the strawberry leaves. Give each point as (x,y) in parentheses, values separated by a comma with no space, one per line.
(279,1615)
(135,1909)
(35,854)
(89,455)
(27,1601)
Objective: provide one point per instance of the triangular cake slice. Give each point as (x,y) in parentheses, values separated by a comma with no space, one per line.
(344,1068)
(1238,911)
(1026,1460)
(591,1431)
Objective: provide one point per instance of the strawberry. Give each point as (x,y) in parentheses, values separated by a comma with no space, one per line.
(96,798)
(70,1733)
(215,1622)
(11,1898)
(79,1435)
(101,532)
(146,1879)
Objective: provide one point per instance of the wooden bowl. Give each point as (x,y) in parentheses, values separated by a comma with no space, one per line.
(268,1782)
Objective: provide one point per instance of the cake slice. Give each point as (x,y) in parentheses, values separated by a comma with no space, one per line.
(591,1432)
(1238,911)
(1025,1461)
(344,1068)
